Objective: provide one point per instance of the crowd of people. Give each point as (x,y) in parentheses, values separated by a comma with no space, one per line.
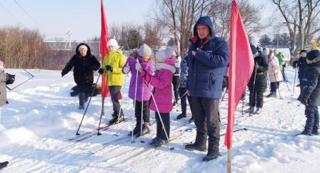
(269,65)
(163,79)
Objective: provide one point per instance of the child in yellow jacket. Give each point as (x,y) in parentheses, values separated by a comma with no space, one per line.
(112,66)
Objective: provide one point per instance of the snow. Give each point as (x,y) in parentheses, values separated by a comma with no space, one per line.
(41,116)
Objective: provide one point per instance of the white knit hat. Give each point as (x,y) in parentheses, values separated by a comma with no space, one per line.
(114,43)
(165,53)
(83,47)
(145,51)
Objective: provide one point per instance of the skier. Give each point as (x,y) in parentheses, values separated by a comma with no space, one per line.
(310,95)
(161,102)
(183,90)
(3,91)
(83,64)
(207,63)
(258,83)
(274,72)
(282,64)
(139,91)
(301,63)
(112,66)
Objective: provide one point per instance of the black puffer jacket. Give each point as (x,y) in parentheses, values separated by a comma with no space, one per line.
(258,80)
(83,68)
(310,93)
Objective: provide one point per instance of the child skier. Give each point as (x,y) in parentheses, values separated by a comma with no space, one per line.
(139,90)
(161,101)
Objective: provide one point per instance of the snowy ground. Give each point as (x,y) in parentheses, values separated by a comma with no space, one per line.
(41,116)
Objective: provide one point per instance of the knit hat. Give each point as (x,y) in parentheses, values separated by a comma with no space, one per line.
(165,53)
(1,66)
(83,47)
(314,45)
(114,43)
(145,51)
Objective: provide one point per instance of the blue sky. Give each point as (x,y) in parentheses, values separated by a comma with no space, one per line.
(54,18)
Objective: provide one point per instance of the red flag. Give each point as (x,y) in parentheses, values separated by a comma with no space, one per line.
(240,67)
(103,49)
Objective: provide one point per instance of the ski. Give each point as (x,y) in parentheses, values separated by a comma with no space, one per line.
(125,138)
(88,134)
(237,130)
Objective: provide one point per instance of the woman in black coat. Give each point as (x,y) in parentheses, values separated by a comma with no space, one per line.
(84,64)
(258,83)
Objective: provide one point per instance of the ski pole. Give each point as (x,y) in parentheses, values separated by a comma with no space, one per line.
(85,111)
(294,81)
(101,114)
(141,111)
(31,76)
(135,95)
(163,127)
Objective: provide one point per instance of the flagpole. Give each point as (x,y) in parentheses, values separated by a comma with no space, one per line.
(229,161)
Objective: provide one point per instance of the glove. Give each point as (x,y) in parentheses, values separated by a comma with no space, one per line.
(125,69)
(101,71)
(138,66)
(109,68)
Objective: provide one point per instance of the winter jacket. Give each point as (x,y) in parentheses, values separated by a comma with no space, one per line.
(3,92)
(184,73)
(258,80)
(162,85)
(280,58)
(116,60)
(310,93)
(301,63)
(207,67)
(142,87)
(83,67)
(274,69)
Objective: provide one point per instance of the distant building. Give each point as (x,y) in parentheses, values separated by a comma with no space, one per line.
(71,46)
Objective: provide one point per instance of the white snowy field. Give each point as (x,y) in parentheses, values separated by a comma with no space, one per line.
(41,116)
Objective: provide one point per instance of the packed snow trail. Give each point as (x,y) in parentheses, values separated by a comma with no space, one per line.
(41,117)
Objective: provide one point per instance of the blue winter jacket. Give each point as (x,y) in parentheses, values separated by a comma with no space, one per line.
(207,67)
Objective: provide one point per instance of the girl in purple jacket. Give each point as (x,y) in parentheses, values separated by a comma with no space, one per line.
(139,90)
(161,101)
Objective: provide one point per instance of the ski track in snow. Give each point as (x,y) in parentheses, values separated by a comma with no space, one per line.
(41,116)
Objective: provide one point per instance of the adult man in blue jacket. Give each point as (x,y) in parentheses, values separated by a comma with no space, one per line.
(207,62)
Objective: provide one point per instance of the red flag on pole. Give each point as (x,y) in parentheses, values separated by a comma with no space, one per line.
(103,49)
(240,67)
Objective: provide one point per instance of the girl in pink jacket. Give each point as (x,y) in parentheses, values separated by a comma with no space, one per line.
(161,100)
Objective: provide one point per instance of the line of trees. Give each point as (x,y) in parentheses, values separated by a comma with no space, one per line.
(279,40)
(24,48)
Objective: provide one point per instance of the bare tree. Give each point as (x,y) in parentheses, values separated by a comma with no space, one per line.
(179,16)
(220,10)
(301,18)
(152,34)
